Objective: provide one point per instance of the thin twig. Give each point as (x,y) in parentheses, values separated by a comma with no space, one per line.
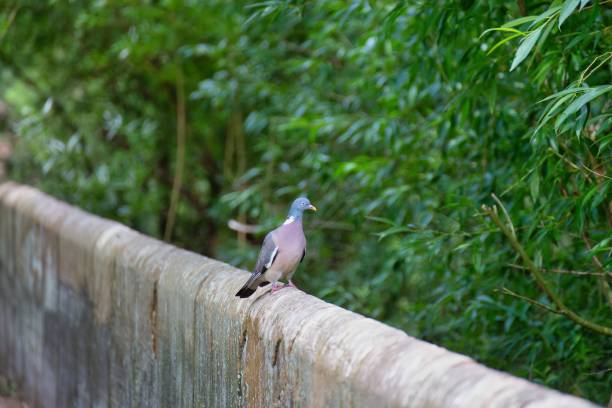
(572,165)
(605,287)
(606,370)
(181,125)
(539,278)
(594,172)
(9,22)
(507,291)
(505,214)
(584,75)
(239,226)
(577,167)
(564,271)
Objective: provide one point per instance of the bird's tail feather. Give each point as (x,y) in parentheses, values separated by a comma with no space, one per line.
(245,292)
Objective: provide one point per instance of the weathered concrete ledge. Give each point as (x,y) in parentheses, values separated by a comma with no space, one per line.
(93,313)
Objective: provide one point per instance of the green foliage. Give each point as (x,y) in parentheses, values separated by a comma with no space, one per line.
(398,119)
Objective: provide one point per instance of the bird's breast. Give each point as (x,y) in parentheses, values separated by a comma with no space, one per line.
(291,243)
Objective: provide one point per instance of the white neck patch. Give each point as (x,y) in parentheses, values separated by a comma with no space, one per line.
(289,220)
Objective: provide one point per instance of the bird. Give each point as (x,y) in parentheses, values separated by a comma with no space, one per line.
(282,251)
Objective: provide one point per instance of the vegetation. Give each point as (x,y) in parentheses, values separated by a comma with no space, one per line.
(399,119)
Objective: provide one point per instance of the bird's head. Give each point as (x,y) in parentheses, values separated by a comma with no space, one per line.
(300,205)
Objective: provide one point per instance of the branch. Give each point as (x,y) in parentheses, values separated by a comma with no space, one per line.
(507,291)
(181,124)
(505,214)
(243,228)
(564,271)
(522,7)
(539,278)
(9,22)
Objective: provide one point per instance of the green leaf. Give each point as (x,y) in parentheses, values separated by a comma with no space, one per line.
(537,259)
(601,246)
(547,14)
(583,3)
(554,108)
(601,195)
(380,219)
(504,29)
(562,93)
(519,21)
(549,26)
(392,231)
(502,42)
(463,246)
(580,102)
(568,8)
(580,122)
(526,45)
(534,186)
(604,142)
(589,195)
(389,20)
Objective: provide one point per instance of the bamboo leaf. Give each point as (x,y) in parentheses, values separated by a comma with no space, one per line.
(547,14)
(554,108)
(580,102)
(502,42)
(504,29)
(534,186)
(568,8)
(563,93)
(525,48)
(601,246)
(519,21)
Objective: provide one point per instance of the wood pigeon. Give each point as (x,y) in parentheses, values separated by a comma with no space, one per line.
(282,251)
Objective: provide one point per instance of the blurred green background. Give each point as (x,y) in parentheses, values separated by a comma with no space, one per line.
(398,119)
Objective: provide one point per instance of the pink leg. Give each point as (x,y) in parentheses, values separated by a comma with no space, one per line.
(292,284)
(275,287)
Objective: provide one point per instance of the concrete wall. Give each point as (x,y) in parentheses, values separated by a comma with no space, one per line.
(95,314)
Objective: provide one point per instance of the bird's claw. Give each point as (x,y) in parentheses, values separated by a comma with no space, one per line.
(276,287)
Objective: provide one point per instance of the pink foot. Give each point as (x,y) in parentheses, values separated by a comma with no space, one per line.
(275,288)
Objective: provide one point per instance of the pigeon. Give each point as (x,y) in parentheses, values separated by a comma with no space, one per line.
(282,251)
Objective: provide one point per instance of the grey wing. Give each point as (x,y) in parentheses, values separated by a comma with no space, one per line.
(267,254)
